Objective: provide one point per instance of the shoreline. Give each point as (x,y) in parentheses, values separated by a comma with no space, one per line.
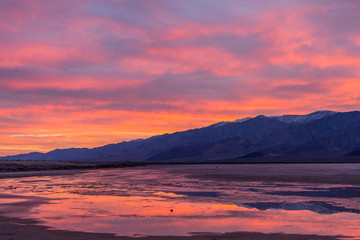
(38,166)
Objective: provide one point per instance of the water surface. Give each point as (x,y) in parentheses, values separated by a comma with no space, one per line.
(155,201)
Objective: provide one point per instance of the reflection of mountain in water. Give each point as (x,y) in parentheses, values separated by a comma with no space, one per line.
(334,192)
(314,206)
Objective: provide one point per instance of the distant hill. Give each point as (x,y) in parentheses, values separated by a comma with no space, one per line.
(319,133)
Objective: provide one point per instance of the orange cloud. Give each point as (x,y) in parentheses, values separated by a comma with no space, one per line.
(81,74)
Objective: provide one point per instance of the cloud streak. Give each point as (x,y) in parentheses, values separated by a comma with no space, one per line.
(86,73)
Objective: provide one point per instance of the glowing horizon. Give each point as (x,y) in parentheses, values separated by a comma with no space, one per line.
(89,73)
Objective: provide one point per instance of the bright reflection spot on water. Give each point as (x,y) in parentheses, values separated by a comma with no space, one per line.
(156,202)
(10,200)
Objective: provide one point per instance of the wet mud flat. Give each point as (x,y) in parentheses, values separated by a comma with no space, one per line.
(269,201)
(336,173)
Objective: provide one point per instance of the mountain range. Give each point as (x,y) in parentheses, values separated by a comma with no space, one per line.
(322,133)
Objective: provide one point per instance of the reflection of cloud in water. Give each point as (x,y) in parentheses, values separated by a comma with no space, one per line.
(333,192)
(139,201)
(168,194)
(199,194)
(314,206)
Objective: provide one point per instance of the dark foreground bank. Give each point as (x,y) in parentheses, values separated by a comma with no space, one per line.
(28,165)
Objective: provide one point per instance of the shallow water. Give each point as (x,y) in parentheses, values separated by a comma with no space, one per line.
(150,201)
(10,200)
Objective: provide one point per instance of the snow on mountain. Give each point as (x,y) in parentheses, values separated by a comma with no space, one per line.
(220,124)
(302,119)
(289,119)
(243,119)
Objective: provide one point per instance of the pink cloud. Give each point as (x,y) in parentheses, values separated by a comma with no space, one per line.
(93,72)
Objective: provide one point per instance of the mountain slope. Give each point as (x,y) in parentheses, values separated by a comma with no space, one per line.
(322,132)
(334,133)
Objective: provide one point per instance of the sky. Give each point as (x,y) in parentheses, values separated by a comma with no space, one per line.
(85,73)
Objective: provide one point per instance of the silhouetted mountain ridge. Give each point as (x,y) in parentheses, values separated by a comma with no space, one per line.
(322,132)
